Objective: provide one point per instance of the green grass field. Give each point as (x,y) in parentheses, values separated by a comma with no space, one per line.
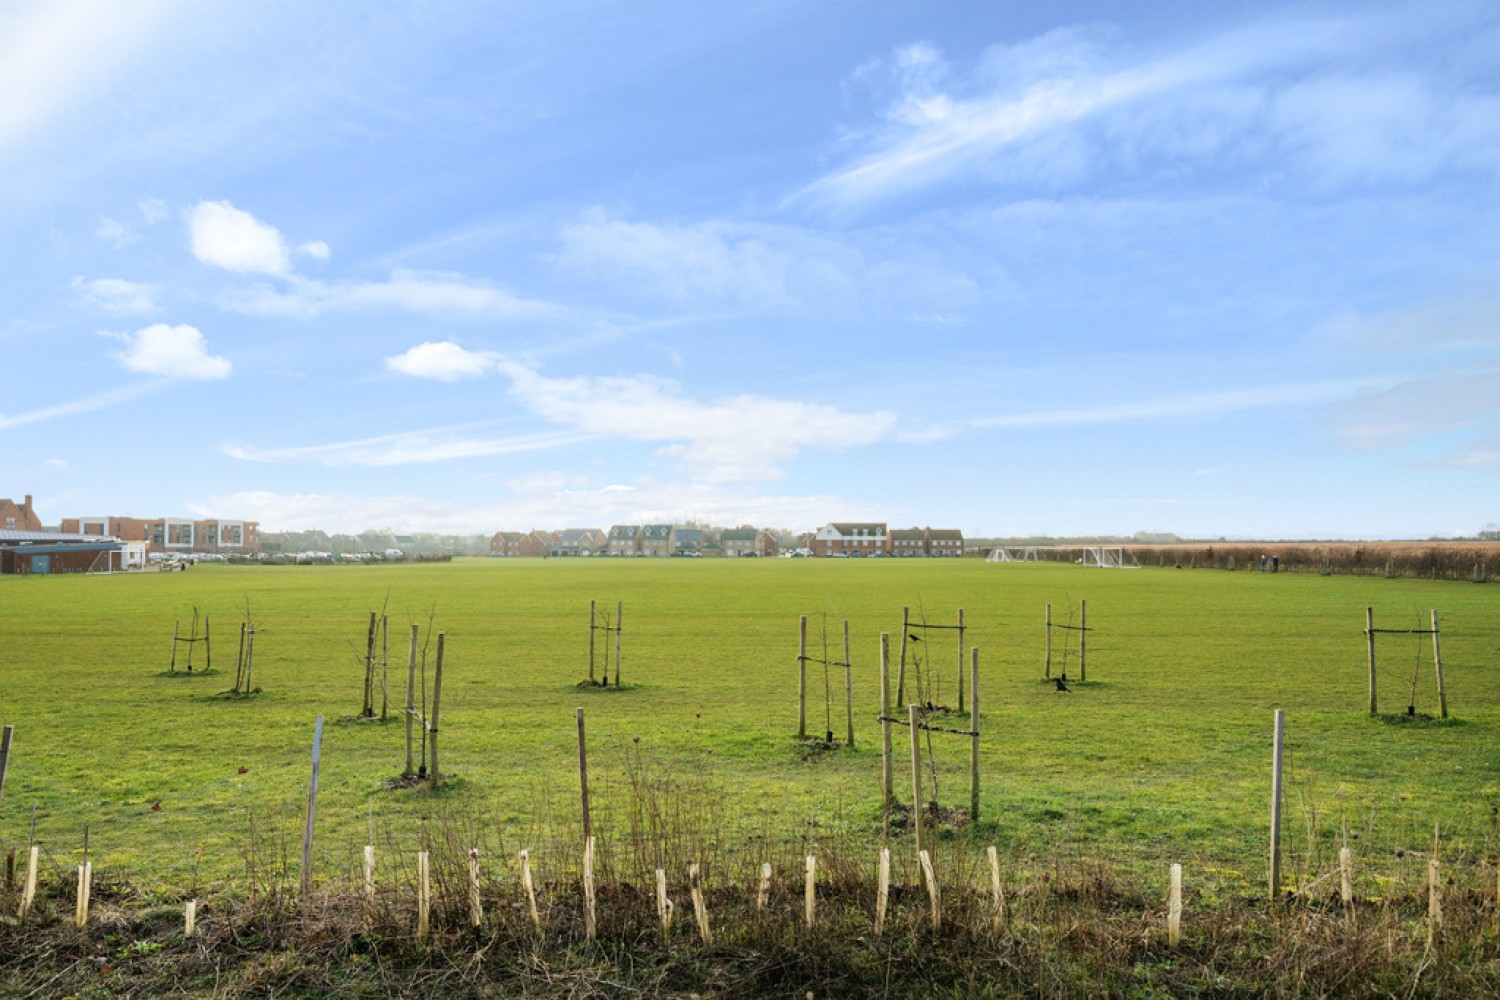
(1163,755)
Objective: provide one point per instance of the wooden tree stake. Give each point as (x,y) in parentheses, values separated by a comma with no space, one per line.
(960,659)
(424,895)
(974,735)
(583,777)
(810,893)
(526,883)
(1083,641)
(5,738)
(432,723)
(663,904)
(1174,908)
(901,669)
(190,918)
(592,628)
(28,894)
(1437,662)
(476,905)
(369,884)
(1276,752)
(916,776)
(590,914)
(763,892)
(882,890)
(312,807)
(1047,666)
(411,704)
(802,678)
(887,784)
(700,907)
(619,636)
(848,687)
(85,879)
(997,896)
(933,892)
(1370,643)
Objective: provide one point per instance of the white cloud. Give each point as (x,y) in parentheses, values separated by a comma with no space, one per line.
(153,209)
(444,361)
(316,249)
(115,295)
(173,351)
(227,237)
(112,231)
(733,439)
(545,482)
(416,447)
(411,291)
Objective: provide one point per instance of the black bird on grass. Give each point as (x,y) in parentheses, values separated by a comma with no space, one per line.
(913,637)
(1061,685)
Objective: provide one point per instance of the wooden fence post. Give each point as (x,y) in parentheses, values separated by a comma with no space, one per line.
(802,678)
(1437,662)
(1370,642)
(312,807)
(1276,753)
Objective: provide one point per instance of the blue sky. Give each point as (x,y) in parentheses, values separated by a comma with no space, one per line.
(1215,269)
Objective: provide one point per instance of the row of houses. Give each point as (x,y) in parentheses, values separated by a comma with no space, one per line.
(169,535)
(638,541)
(838,538)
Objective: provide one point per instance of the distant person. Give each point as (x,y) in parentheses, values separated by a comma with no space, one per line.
(1262,563)
(1275,564)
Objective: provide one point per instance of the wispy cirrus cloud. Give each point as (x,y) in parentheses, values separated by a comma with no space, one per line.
(417,447)
(116,295)
(87,404)
(1180,407)
(1286,92)
(420,292)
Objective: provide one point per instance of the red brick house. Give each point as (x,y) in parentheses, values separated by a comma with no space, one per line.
(19,516)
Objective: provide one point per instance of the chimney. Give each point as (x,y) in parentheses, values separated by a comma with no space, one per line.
(26,507)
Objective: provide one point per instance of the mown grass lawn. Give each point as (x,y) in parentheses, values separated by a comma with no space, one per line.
(1163,755)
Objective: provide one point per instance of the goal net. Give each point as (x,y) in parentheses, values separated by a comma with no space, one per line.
(1105,557)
